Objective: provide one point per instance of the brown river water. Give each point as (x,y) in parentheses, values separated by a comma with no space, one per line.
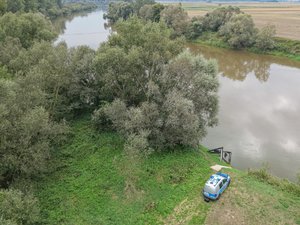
(259,96)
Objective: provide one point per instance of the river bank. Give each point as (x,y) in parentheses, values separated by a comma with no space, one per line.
(283,47)
(87,186)
(255,136)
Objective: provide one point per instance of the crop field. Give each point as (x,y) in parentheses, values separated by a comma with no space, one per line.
(285,16)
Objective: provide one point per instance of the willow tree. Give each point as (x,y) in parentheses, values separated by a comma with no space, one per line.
(154,89)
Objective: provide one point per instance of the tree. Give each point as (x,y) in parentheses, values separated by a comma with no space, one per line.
(28,28)
(15,5)
(151,12)
(17,207)
(212,21)
(126,63)
(9,50)
(265,38)
(119,10)
(195,28)
(176,18)
(179,105)
(3,7)
(30,5)
(239,31)
(26,130)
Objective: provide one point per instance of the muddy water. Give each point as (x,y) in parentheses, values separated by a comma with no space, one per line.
(259,114)
(82,29)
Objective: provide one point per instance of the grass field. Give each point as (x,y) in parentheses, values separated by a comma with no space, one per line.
(285,16)
(87,184)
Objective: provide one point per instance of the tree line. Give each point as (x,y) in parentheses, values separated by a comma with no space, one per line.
(229,24)
(50,8)
(141,83)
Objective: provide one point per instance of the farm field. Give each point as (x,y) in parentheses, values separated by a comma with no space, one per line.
(285,16)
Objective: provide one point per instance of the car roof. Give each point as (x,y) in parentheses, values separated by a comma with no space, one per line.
(214,180)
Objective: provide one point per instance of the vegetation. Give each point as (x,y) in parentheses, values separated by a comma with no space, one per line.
(88,184)
(146,105)
(50,8)
(223,27)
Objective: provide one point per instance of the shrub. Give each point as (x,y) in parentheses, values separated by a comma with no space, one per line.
(212,21)
(18,208)
(265,38)
(239,31)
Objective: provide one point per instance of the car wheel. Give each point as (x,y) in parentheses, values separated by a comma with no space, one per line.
(218,197)
(229,182)
(206,199)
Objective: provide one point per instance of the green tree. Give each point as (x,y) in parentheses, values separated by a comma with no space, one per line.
(66,75)
(30,5)
(9,50)
(195,28)
(151,12)
(15,5)
(178,107)
(265,38)
(119,10)
(214,20)
(28,28)
(128,61)
(3,7)
(176,18)
(18,208)
(26,129)
(239,31)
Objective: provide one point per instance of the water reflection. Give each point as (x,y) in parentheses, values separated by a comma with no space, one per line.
(86,28)
(259,100)
(259,115)
(236,65)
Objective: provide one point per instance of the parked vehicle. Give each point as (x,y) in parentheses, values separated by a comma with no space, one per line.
(215,186)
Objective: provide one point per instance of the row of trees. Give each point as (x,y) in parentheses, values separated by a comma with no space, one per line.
(229,23)
(41,87)
(50,8)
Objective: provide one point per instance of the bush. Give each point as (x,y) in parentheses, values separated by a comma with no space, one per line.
(212,21)
(175,112)
(176,18)
(195,28)
(18,208)
(265,38)
(239,31)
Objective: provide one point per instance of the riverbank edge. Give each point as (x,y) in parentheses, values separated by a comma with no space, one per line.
(281,43)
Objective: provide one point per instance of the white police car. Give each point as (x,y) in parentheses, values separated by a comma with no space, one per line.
(215,186)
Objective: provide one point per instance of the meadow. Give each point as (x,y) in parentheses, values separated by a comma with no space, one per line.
(87,186)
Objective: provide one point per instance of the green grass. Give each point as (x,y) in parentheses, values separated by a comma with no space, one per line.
(86,185)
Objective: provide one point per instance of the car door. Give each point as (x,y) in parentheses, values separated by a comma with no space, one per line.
(223,185)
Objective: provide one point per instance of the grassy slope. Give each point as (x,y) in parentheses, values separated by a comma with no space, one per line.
(88,188)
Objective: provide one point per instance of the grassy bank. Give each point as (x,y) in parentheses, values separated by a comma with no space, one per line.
(283,47)
(86,186)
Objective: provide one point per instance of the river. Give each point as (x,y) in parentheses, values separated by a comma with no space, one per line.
(259,113)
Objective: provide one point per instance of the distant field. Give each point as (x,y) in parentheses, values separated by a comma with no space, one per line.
(285,16)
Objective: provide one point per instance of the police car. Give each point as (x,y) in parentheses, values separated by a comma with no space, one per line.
(215,186)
